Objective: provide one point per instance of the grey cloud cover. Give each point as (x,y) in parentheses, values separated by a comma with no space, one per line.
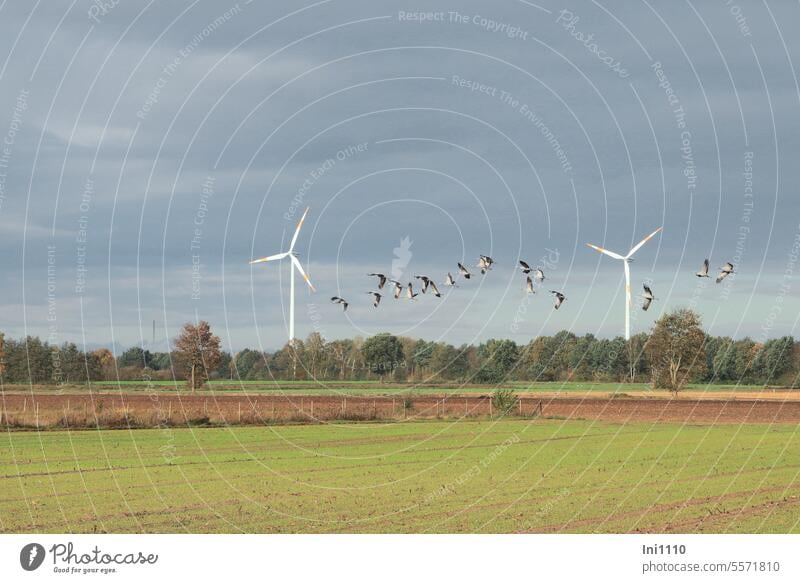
(147,103)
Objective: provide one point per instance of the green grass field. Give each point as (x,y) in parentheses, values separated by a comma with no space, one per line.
(467,476)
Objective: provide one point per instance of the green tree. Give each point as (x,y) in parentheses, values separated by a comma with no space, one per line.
(12,362)
(73,363)
(383,353)
(723,362)
(616,364)
(773,360)
(279,365)
(244,361)
(29,361)
(564,345)
(135,357)
(448,362)
(160,361)
(537,359)
(498,358)
(224,369)
(579,358)
(421,356)
(92,367)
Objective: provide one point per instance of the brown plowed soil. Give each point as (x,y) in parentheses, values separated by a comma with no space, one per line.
(161,408)
(765,395)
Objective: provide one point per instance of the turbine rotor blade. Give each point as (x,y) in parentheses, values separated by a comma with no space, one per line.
(605,251)
(642,242)
(303,273)
(270,258)
(297,230)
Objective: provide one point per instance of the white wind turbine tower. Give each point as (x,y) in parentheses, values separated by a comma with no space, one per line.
(296,265)
(625,261)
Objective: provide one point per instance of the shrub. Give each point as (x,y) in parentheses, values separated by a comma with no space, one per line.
(504,401)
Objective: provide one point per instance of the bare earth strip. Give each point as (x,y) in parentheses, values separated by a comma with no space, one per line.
(47,409)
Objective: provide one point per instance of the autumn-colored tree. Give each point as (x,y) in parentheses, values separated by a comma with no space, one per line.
(104,356)
(537,359)
(197,353)
(105,359)
(676,350)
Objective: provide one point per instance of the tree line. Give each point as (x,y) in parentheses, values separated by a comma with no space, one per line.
(675,352)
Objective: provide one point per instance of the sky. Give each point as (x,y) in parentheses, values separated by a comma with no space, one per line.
(150,150)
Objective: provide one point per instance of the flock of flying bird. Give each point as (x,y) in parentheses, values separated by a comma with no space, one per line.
(485,264)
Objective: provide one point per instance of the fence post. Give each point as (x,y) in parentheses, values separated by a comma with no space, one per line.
(240,411)
(520,406)
(490,406)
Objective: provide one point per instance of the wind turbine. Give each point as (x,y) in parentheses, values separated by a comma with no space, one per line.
(296,265)
(625,262)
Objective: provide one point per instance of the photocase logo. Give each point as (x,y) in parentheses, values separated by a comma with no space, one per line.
(31,556)
(402,257)
(101,8)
